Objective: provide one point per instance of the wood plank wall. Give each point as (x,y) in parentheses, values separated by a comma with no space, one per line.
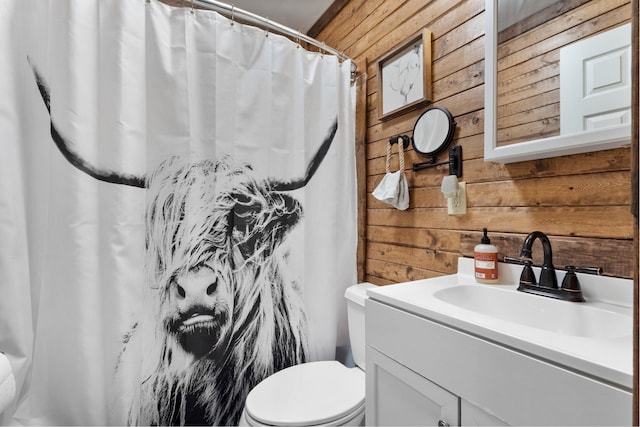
(582,202)
(529,64)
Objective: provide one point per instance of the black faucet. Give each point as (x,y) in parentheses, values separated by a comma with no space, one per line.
(548,277)
(548,286)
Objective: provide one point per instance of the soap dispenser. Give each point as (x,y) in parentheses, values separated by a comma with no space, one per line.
(485,260)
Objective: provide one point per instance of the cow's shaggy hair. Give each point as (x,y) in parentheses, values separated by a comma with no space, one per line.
(212,224)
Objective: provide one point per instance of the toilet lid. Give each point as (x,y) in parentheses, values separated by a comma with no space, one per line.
(307,394)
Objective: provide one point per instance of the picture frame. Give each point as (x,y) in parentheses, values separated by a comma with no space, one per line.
(404,76)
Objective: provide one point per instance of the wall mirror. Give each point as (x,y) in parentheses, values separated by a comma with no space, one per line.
(557,78)
(433,132)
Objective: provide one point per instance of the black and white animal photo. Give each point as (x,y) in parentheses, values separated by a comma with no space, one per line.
(223,309)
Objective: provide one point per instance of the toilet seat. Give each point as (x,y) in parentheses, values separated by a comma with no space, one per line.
(353,419)
(312,393)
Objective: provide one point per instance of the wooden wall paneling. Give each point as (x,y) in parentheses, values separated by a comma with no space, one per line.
(448,240)
(385,273)
(437,24)
(577,190)
(377,280)
(473,144)
(578,200)
(635,110)
(636,310)
(610,188)
(460,81)
(477,170)
(329,15)
(635,193)
(344,21)
(598,162)
(613,222)
(415,254)
(398,25)
(470,53)
(437,260)
(361,171)
(614,256)
(365,16)
(462,103)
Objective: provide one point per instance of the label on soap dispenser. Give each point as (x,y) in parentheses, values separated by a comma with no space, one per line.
(486,265)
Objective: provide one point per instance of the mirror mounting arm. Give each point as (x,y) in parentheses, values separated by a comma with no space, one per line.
(454,162)
(427,164)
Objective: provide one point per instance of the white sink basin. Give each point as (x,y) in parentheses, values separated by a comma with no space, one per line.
(562,317)
(594,337)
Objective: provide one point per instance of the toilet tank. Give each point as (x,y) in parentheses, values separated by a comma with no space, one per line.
(355,296)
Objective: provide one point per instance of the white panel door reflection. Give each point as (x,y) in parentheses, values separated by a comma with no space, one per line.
(595,82)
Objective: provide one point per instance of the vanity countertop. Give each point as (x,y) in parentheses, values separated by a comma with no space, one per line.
(564,335)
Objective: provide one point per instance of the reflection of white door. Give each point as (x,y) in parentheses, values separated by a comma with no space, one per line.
(595,81)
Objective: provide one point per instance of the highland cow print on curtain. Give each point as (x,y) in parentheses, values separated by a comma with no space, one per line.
(180,218)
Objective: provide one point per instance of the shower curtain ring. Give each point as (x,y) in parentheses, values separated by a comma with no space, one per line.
(233,9)
(192,10)
(266,28)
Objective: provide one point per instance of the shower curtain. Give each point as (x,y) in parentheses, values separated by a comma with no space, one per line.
(177,210)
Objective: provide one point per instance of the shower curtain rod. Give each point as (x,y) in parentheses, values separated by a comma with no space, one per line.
(252,18)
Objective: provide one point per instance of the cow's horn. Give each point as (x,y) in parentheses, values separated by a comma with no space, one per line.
(313,165)
(72,157)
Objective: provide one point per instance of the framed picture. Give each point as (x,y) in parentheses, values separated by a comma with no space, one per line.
(404,76)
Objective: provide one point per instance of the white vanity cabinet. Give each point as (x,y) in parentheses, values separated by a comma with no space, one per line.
(422,372)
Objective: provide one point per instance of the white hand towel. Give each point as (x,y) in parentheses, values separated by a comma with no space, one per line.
(393,189)
(7,383)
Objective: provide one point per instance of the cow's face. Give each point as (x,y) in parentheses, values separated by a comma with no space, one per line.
(200,307)
(210,230)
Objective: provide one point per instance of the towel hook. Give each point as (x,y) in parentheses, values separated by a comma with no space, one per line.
(396,139)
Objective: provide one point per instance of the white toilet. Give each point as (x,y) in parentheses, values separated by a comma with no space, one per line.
(316,393)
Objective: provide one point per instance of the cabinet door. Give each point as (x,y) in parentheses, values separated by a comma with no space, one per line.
(397,396)
(471,415)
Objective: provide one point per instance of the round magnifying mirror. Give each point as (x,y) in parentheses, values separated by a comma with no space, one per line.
(433,131)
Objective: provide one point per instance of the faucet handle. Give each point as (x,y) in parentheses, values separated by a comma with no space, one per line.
(516,260)
(588,270)
(571,284)
(527,277)
(570,281)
